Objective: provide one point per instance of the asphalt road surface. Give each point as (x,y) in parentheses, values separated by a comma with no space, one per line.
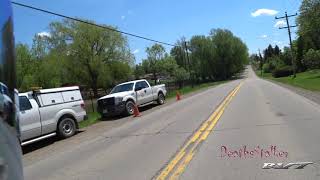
(226,132)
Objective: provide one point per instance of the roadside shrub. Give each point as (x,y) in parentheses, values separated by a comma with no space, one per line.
(312,59)
(266,68)
(181,75)
(282,71)
(273,63)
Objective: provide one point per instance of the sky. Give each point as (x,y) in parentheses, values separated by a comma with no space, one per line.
(166,20)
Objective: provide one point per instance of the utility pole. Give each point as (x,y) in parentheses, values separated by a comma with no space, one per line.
(289,32)
(188,60)
(261,64)
(185,45)
(182,53)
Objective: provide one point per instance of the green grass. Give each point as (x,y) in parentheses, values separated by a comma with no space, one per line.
(93,117)
(189,89)
(263,75)
(309,80)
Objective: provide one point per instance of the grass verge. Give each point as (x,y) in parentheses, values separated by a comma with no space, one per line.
(93,117)
(309,80)
(189,89)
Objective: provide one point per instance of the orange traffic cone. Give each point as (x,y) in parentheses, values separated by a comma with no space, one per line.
(178,96)
(136,112)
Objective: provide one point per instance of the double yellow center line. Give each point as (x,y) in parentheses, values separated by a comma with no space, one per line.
(183,157)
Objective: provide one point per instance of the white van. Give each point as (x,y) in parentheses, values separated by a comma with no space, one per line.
(48,112)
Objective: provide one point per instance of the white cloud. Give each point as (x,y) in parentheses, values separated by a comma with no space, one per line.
(266,12)
(277,42)
(264,36)
(280,23)
(44,34)
(136,51)
(123,17)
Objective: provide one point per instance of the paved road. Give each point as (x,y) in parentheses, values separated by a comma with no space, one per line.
(188,139)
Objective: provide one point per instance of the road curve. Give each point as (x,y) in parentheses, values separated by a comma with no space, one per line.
(260,114)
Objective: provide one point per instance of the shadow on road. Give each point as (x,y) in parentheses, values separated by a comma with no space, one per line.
(145,108)
(117,117)
(43,143)
(50,141)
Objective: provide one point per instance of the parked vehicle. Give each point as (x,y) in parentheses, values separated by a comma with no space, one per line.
(45,113)
(125,96)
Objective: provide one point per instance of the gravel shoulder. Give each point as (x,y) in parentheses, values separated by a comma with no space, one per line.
(311,95)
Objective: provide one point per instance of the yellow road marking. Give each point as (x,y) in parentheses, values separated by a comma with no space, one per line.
(180,154)
(165,173)
(189,156)
(180,169)
(200,135)
(206,133)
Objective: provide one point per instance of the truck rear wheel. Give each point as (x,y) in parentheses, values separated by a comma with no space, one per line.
(66,128)
(161,98)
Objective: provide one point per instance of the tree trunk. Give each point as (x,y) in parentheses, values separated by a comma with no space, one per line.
(155,78)
(94,86)
(180,84)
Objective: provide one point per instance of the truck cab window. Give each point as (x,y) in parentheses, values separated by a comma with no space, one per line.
(138,86)
(24,103)
(141,85)
(144,85)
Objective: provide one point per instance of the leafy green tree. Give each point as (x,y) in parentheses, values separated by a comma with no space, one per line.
(218,56)
(92,50)
(168,66)
(312,59)
(25,67)
(286,56)
(139,71)
(48,74)
(178,52)
(309,23)
(40,46)
(269,52)
(120,71)
(276,51)
(155,53)
(273,63)
(300,51)
(202,62)
(180,75)
(146,66)
(230,54)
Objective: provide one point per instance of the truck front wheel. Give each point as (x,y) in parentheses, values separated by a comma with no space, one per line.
(66,128)
(129,108)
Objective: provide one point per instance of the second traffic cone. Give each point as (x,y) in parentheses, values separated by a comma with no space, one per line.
(136,112)
(178,96)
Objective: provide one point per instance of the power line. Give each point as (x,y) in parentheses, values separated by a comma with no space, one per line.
(93,24)
(286,16)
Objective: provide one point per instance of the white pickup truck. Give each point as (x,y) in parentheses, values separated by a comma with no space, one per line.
(123,97)
(47,112)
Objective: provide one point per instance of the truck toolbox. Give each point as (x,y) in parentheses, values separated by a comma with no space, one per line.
(48,111)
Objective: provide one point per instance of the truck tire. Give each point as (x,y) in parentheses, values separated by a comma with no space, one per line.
(66,127)
(129,109)
(161,99)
